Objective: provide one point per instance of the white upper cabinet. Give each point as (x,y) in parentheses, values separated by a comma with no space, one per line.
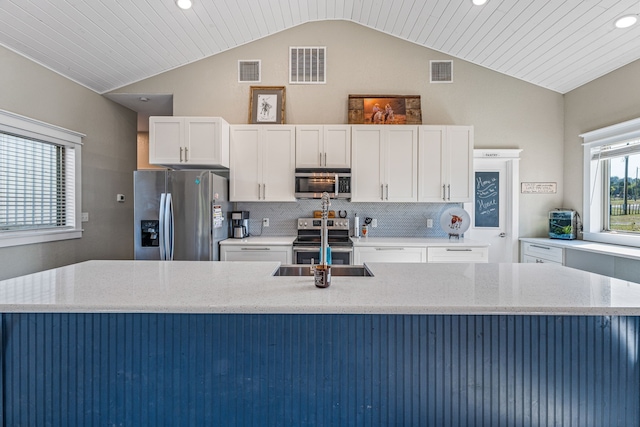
(262,163)
(384,163)
(188,142)
(323,146)
(446,164)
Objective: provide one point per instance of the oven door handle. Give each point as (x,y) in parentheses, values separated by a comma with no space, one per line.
(336,187)
(317,249)
(305,249)
(335,249)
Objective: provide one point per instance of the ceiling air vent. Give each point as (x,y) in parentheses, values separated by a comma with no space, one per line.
(441,71)
(249,71)
(307,65)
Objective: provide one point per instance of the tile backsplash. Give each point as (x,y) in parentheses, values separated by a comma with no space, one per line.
(394,219)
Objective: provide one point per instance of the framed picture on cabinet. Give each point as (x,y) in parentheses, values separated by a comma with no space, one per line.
(266,104)
(385,109)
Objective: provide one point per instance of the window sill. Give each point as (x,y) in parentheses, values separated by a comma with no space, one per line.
(613,239)
(30,237)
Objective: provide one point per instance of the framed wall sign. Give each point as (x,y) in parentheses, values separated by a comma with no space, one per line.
(266,104)
(538,187)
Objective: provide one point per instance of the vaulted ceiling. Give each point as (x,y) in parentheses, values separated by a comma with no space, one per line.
(107,44)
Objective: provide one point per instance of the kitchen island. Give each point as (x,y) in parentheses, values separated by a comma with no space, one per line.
(207,343)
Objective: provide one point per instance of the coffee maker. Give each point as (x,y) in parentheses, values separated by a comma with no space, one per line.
(240,224)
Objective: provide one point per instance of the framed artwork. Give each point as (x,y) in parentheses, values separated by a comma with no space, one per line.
(266,104)
(385,109)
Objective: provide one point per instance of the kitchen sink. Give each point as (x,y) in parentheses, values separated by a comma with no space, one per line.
(336,270)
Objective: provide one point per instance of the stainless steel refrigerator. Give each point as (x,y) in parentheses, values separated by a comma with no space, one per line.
(179,215)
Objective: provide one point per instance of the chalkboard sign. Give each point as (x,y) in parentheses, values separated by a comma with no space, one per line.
(487,197)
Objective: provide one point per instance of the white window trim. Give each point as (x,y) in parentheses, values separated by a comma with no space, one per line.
(31,128)
(592,175)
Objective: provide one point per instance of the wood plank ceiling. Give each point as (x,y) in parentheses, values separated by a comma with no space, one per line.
(106,44)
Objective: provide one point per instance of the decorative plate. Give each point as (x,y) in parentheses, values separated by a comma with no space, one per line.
(455,221)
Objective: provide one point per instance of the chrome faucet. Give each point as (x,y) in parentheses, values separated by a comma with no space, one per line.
(326,202)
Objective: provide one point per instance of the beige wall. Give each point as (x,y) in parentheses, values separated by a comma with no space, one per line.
(143,153)
(506,113)
(108,160)
(611,99)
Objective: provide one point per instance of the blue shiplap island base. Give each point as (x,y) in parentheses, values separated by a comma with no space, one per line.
(143,369)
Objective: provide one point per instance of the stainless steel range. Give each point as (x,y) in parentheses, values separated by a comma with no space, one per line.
(306,247)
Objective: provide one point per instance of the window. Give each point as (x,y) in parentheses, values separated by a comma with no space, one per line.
(39,181)
(611,178)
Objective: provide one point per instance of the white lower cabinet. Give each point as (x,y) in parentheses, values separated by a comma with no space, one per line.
(284,254)
(457,254)
(540,253)
(388,254)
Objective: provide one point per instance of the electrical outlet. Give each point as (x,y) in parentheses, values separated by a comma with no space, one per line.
(374,223)
(429,223)
(265,222)
(85,216)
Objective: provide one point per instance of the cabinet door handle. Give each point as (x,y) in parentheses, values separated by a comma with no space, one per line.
(389,249)
(449,190)
(325,159)
(459,250)
(443,192)
(381,191)
(259,191)
(186,154)
(540,247)
(181,154)
(264,191)
(255,249)
(387,191)
(502,234)
(320,154)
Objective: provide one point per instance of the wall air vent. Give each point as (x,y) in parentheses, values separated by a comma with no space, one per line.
(441,72)
(307,65)
(249,71)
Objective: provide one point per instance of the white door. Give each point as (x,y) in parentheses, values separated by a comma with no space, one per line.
(366,164)
(494,211)
(278,163)
(309,146)
(401,168)
(245,183)
(337,146)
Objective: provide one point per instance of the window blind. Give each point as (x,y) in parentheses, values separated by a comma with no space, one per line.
(610,151)
(36,192)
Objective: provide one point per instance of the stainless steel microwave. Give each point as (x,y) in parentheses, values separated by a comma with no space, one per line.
(311,183)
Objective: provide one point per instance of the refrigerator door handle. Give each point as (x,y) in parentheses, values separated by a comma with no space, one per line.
(169,227)
(161,227)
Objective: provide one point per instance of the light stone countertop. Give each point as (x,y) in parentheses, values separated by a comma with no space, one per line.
(416,242)
(260,240)
(249,287)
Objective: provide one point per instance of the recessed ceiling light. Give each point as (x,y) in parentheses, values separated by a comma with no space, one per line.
(184,4)
(478,2)
(626,21)
(143,99)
